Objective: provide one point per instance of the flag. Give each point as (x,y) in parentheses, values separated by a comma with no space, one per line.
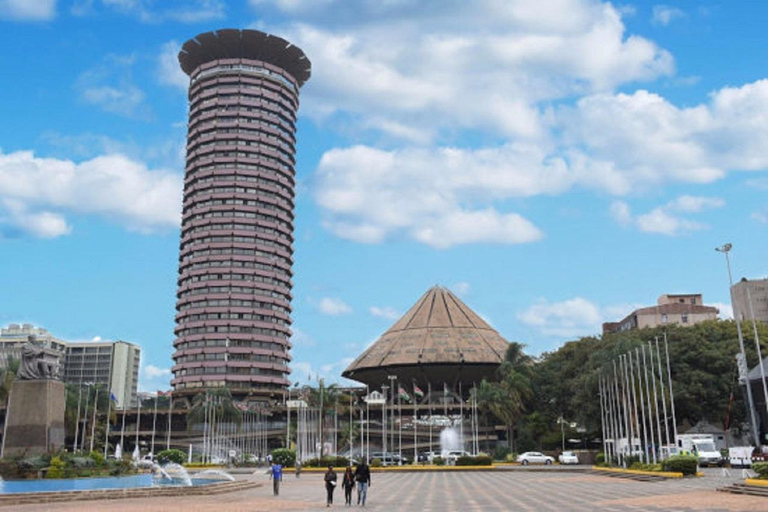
(402,395)
(418,392)
(112,397)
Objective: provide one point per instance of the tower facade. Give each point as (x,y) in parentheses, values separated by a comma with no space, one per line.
(236,253)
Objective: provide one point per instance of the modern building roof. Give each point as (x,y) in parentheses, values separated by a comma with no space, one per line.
(246,44)
(438,331)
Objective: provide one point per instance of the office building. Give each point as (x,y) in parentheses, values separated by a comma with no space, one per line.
(113,364)
(751,296)
(679,309)
(236,252)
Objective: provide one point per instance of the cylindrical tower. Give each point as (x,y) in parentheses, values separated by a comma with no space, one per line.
(236,252)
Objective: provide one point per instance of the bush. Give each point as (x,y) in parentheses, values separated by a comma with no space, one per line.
(512,457)
(761,468)
(438,461)
(685,464)
(645,467)
(337,462)
(284,457)
(600,459)
(97,458)
(57,468)
(376,463)
(172,455)
(82,462)
(501,452)
(631,459)
(480,460)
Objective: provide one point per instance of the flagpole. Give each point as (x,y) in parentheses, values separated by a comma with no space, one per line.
(138,424)
(648,394)
(122,431)
(95,410)
(414,420)
(85,415)
(642,405)
(367,426)
(655,396)
(663,395)
(154,425)
(106,429)
(429,404)
(170,415)
(400,426)
(79,397)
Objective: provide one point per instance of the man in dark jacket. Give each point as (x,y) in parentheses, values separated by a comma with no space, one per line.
(363,479)
(330,485)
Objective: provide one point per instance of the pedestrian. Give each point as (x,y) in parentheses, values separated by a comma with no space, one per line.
(276,474)
(298,468)
(363,479)
(330,485)
(348,483)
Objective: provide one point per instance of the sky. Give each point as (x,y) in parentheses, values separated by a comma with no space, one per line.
(554,163)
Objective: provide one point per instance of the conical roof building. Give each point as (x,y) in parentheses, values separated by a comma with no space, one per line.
(439,340)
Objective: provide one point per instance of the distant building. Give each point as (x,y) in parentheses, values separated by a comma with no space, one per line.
(115,364)
(685,309)
(757,291)
(13,337)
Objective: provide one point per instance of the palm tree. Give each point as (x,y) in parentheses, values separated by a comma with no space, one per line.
(7,376)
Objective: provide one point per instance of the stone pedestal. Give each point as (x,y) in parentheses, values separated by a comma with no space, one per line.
(34,422)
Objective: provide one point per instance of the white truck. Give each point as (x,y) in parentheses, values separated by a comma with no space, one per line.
(702,446)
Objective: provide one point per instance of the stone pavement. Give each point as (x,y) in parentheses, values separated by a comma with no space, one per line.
(475,491)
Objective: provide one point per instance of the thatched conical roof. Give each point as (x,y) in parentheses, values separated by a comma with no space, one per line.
(440,339)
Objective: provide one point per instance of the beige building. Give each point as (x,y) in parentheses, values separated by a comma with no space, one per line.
(115,364)
(679,309)
(13,337)
(753,291)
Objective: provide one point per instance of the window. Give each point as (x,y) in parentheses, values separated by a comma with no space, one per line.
(684,318)
(664,319)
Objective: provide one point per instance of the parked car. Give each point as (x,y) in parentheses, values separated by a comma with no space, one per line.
(387,459)
(534,458)
(568,458)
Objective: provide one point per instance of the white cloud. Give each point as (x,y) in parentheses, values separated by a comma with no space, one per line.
(156,11)
(461,288)
(370,194)
(664,219)
(384,312)
(301,338)
(333,307)
(726,311)
(664,14)
(110,86)
(35,193)
(572,317)
(28,10)
(760,216)
(152,371)
(169,71)
(427,68)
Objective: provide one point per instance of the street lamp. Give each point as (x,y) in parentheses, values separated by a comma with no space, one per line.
(725,249)
(384,389)
(392,379)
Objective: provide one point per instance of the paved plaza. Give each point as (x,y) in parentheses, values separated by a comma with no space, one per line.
(481,491)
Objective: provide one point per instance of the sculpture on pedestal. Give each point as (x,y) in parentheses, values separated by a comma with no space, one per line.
(36,363)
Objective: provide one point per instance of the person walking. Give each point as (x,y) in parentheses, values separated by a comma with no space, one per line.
(330,485)
(298,468)
(363,479)
(348,483)
(276,474)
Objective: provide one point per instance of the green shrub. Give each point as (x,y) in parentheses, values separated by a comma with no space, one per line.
(761,468)
(631,459)
(501,452)
(511,457)
(438,461)
(337,462)
(600,459)
(82,462)
(645,467)
(97,458)
(284,457)
(685,464)
(480,460)
(172,455)
(376,463)
(57,468)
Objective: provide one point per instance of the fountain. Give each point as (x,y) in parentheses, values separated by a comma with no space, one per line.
(220,474)
(176,473)
(450,440)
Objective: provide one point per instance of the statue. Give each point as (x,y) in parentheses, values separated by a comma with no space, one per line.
(35,363)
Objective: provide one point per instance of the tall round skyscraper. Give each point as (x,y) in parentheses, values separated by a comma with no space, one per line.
(236,253)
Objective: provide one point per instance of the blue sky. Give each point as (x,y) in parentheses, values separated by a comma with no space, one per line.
(554,163)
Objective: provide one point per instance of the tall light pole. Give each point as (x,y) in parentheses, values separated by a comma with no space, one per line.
(725,249)
(391,416)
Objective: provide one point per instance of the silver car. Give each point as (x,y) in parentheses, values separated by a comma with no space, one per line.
(534,458)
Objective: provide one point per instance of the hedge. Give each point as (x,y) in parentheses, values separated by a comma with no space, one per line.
(284,457)
(480,460)
(761,468)
(337,462)
(172,455)
(685,464)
